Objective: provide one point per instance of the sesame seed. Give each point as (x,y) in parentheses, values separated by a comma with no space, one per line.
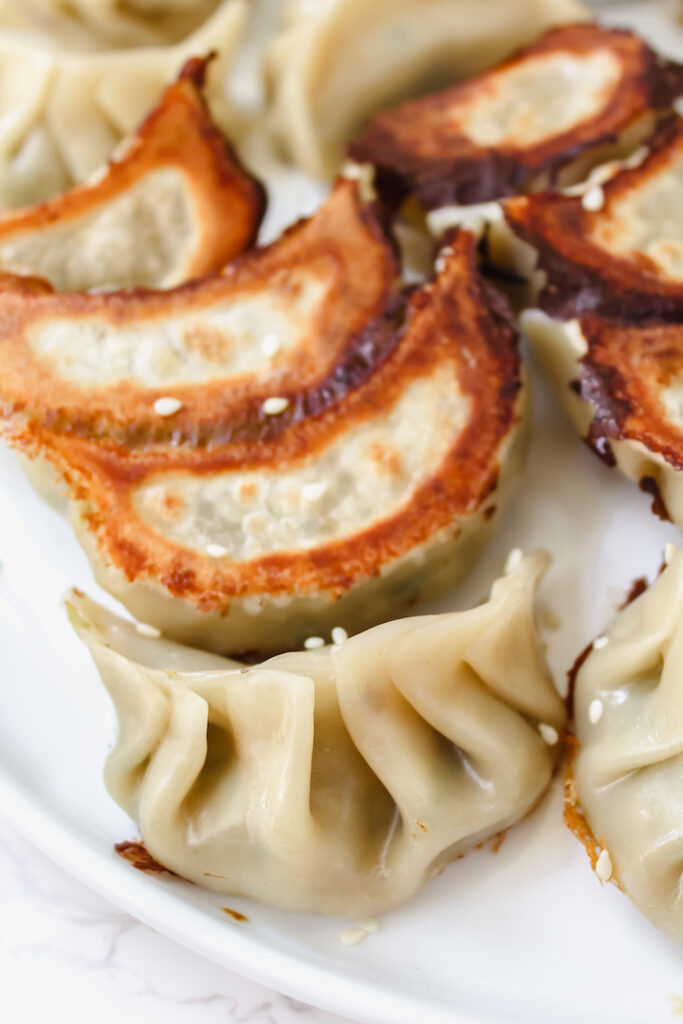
(167,406)
(270,345)
(313,642)
(678,105)
(576,337)
(216,550)
(339,635)
(144,629)
(314,491)
(369,925)
(513,560)
(604,868)
(275,405)
(669,553)
(594,199)
(595,710)
(251,605)
(550,735)
(352,936)
(600,642)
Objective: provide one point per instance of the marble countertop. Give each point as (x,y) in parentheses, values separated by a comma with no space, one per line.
(65,949)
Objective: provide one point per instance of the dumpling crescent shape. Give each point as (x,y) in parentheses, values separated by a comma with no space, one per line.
(628,770)
(335,781)
(617,247)
(62,114)
(335,64)
(578,96)
(174,204)
(291,445)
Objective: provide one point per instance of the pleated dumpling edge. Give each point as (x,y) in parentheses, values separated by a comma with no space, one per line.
(335,780)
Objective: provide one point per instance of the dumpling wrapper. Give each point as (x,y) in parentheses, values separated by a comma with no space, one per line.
(576,97)
(628,771)
(614,246)
(94,24)
(289,446)
(334,781)
(62,115)
(337,63)
(174,204)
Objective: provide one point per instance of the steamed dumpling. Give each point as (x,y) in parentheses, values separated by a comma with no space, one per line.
(94,24)
(334,781)
(62,115)
(336,63)
(628,773)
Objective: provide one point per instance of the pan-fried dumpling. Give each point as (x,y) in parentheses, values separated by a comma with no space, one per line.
(292,445)
(628,772)
(337,63)
(92,24)
(62,115)
(577,96)
(334,781)
(616,248)
(174,205)
(619,380)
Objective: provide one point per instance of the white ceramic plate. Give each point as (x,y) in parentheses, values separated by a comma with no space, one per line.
(523,936)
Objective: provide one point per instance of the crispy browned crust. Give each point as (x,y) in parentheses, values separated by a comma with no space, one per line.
(457,320)
(418,150)
(345,238)
(574,818)
(139,856)
(621,376)
(178,133)
(583,276)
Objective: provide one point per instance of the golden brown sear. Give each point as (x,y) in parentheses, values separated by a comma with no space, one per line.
(173,204)
(618,248)
(580,94)
(294,444)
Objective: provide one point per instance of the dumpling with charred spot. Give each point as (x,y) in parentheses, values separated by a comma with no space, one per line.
(173,205)
(621,383)
(335,64)
(579,96)
(63,114)
(281,781)
(617,247)
(295,444)
(628,769)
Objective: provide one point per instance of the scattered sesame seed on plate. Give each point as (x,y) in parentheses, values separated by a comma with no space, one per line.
(549,734)
(167,406)
(314,491)
(352,936)
(604,867)
(313,642)
(594,199)
(274,405)
(216,550)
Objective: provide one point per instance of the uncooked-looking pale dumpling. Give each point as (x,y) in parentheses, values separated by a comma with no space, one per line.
(336,63)
(338,780)
(62,115)
(173,205)
(94,24)
(628,773)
